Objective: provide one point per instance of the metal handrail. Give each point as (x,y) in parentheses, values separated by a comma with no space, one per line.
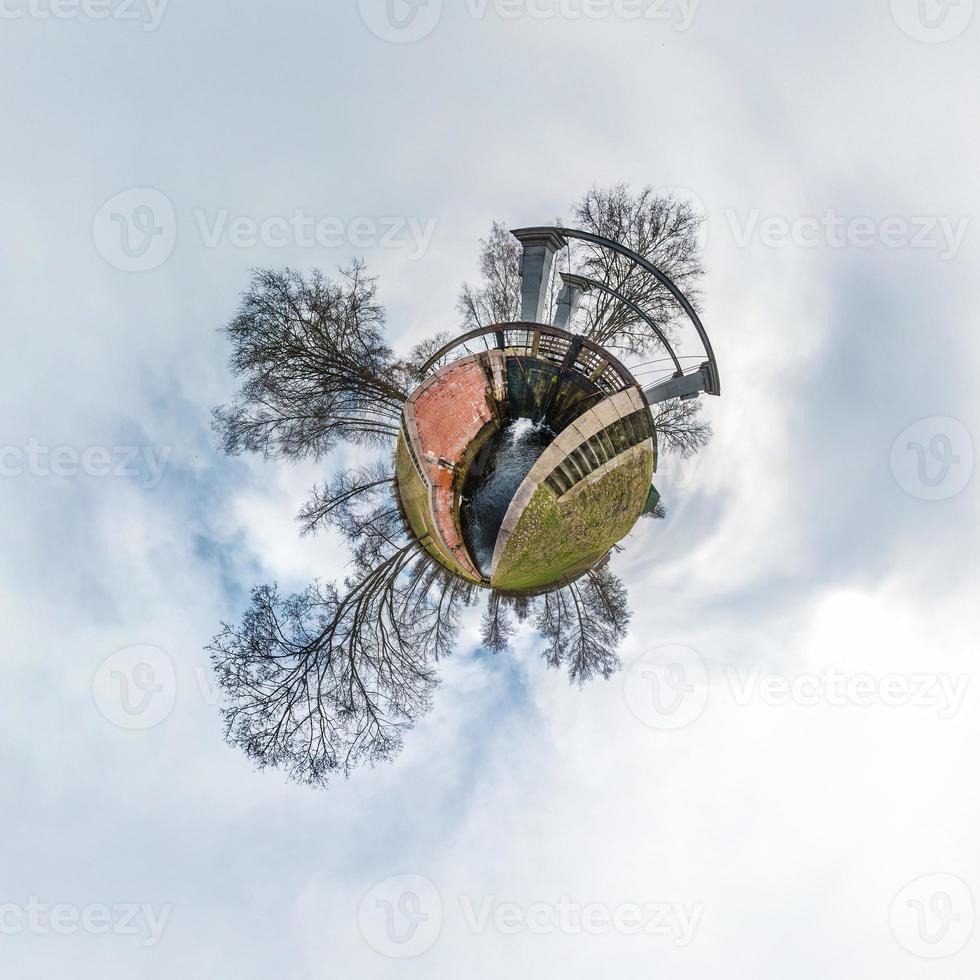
(624,374)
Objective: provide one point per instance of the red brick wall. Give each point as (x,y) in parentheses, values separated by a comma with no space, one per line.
(449,413)
(451,410)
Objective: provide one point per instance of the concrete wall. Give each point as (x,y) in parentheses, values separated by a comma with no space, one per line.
(586,474)
(612,409)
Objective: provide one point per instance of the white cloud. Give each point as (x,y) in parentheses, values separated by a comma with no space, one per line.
(791,550)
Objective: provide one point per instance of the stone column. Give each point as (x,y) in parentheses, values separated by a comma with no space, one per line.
(540,245)
(570,299)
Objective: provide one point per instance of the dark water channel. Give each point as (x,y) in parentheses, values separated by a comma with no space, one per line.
(493,480)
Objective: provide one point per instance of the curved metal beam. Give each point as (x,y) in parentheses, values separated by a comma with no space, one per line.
(629,304)
(621,369)
(648,266)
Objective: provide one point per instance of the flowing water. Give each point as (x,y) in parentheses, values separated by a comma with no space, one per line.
(493,480)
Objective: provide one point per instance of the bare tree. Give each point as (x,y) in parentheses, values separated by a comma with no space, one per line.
(660,228)
(583,624)
(680,427)
(497,628)
(521,605)
(314,364)
(422,352)
(498,299)
(342,502)
(318,684)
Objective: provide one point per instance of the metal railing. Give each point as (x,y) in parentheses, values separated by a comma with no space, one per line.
(549,343)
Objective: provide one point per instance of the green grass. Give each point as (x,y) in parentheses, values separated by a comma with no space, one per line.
(556,540)
(411,491)
(415,502)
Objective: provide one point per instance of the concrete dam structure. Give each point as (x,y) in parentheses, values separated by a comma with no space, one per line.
(520,466)
(528,451)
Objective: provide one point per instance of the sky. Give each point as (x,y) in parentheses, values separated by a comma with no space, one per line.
(782,779)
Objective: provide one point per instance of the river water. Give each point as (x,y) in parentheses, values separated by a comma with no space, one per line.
(493,480)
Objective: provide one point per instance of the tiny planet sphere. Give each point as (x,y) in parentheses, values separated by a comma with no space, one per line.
(520,464)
